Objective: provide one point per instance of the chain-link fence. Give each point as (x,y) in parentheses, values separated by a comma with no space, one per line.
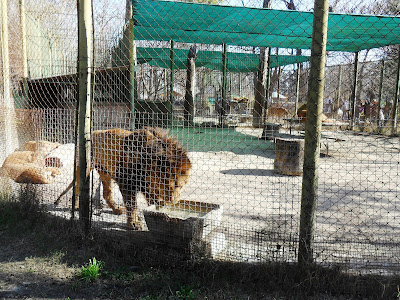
(199,129)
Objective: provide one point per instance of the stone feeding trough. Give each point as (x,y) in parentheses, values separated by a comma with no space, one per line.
(187,225)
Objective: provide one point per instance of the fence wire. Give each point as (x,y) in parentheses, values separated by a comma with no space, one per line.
(242,200)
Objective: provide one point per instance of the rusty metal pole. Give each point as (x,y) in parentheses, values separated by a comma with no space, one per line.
(309,193)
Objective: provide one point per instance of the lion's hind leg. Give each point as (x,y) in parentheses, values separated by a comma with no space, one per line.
(108,186)
(133,220)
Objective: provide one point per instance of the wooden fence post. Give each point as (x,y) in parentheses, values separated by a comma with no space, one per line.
(85,55)
(313,132)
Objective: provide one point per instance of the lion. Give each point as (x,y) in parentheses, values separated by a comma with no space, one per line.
(145,160)
(302,114)
(278,112)
(31,165)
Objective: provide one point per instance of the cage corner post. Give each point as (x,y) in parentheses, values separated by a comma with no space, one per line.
(85,61)
(309,192)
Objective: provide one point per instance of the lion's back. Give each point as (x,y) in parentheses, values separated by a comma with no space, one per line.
(107,148)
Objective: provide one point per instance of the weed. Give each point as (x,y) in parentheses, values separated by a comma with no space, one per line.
(185,292)
(92,270)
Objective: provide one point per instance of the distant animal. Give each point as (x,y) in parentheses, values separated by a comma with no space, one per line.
(302,114)
(278,112)
(145,160)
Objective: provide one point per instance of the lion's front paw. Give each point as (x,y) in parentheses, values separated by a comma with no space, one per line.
(119,210)
(134,224)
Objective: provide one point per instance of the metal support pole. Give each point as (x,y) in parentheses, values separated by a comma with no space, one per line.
(316,84)
(224,85)
(354,92)
(171,79)
(396,98)
(85,60)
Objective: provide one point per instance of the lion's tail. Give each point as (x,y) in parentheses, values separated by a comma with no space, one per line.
(64,192)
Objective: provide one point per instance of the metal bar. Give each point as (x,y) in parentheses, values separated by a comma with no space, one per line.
(171,78)
(224,84)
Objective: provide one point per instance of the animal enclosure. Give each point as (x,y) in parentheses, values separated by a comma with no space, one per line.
(204,102)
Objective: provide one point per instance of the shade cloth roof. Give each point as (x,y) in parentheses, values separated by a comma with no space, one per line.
(216,24)
(236,62)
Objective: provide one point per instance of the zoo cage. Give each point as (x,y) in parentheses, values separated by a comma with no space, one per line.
(227,84)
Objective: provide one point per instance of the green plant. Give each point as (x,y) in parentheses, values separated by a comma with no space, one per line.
(92,270)
(185,293)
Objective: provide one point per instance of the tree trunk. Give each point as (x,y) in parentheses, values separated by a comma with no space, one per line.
(190,87)
(260,84)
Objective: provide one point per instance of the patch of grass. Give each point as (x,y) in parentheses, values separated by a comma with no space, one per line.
(91,271)
(185,292)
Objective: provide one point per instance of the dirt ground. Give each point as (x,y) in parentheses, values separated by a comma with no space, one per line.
(356,226)
(357,214)
(37,261)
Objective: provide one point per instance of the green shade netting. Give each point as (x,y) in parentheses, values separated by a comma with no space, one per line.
(236,62)
(242,26)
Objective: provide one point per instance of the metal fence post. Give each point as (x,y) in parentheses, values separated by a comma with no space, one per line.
(85,61)
(171,83)
(313,132)
(224,100)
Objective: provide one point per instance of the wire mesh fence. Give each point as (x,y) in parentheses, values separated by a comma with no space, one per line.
(176,155)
